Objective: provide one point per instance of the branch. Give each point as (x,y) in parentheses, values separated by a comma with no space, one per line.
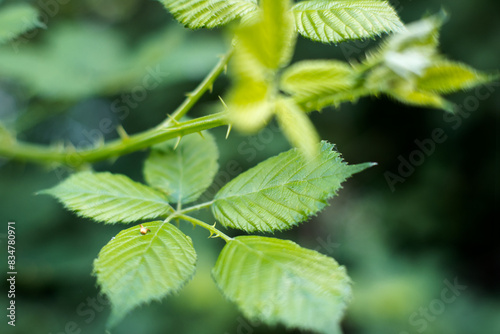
(75,158)
(169,129)
(198,92)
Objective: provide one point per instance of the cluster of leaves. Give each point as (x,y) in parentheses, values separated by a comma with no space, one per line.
(407,67)
(272,280)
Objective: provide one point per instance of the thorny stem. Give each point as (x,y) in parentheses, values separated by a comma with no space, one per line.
(196,207)
(75,158)
(198,92)
(169,129)
(212,229)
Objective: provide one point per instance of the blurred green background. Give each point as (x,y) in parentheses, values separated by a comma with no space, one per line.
(402,246)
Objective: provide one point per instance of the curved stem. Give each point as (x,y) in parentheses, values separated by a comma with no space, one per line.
(211,228)
(198,92)
(169,129)
(196,207)
(74,158)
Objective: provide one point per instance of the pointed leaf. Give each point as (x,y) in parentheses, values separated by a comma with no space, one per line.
(277,281)
(133,269)
(209,13)
(337,21)
(419,98)
(249,104)
(351,95)
(316,78)
(16,19)
(110,198)
(423,33)
(185,172)
(297,127)
(447,76)
(282,191)
(270,37)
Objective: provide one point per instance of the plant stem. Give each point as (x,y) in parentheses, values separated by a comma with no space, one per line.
(198,92)
(75,158)
(196,207)
(211,228)
(169,129)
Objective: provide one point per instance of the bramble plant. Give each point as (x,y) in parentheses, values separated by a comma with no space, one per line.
(270,280)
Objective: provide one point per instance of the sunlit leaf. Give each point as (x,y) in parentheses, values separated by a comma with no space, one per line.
(183,172)
(110,198)
(413,96)
(446,77)
(282,191)
(16,19)
(422,33)
(334,100)
(209,13)
(270,38)
(250,106)
(337,21)
(133,268)
(297,127)
(316,78)
(277,281)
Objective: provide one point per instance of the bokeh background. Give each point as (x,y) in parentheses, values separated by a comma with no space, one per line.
(401,246)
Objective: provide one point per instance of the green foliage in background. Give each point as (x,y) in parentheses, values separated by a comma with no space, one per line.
(17,19)
(271,280)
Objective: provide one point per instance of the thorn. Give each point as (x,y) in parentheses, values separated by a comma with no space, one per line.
(70,147)
(201,134)
(122,133)
(100,142)
(225,69)
(172,119)
(211,88)
(112,160)
(229,127)
(59,146)
(223,103)
(177,143)
(212,233)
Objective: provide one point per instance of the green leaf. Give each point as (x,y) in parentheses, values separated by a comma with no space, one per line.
(337,21)
(209,13)
(133,268)
(250,106)
(447,76)
(420,34)
(277,281)
(185,172)
(270,37)
(16,19)
(297,127)
(317,78)
(282,191)
(408,94)
(351,95)
(110,198)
